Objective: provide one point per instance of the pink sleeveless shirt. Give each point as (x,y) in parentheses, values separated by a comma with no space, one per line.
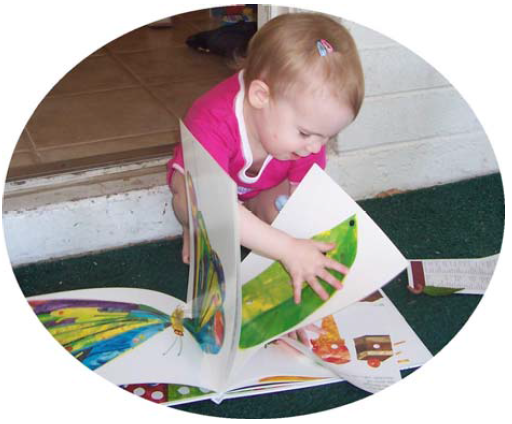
(216,120)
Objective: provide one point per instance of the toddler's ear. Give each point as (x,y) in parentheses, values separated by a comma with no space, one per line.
(258,94)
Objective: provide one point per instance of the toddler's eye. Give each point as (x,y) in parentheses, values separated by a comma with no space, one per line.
(304,135)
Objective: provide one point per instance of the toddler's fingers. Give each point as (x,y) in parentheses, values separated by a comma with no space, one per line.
(325,247)
(330,279)
(317,287)
(332,264)
(314,329)
(303,337)
(283,344)
(297,289)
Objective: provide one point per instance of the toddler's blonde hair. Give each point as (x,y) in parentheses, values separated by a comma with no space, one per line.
(283,54)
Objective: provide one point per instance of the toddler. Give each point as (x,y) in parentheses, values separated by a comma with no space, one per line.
(301,84)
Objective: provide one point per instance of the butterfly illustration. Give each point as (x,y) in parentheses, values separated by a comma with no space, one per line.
(207,322)
(97,331)
(177,326)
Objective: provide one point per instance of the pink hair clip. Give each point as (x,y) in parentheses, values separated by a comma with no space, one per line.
(324,47)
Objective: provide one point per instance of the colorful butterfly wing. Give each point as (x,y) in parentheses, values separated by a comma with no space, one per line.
(95,331)
(211,297)
(207,322)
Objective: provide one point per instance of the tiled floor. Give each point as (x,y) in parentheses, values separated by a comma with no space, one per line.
(122,103)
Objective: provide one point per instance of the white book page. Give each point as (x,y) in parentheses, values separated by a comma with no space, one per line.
(158,360)
(409,350)
(277,360)
(263,390)
(319,204)
(359,350)
(212,198)
(377,320)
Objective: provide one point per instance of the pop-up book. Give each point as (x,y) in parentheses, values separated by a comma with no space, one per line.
(231,337)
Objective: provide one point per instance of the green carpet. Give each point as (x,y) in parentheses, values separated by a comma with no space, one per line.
(464,219)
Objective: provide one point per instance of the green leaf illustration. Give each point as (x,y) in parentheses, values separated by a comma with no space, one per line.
(440,291)
(268,308)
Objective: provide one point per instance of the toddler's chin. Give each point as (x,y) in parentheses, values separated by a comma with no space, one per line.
(293,156)
(287,156)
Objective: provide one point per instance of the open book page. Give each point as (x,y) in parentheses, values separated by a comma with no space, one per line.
(277,363)
(274,368)
(409,350)
(279,367)
(176,394)
(263,389)
(367,344)
(318,208)
(126,335)
(213,294)
(447,276)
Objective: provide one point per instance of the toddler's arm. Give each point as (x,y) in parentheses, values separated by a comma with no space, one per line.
(304,259)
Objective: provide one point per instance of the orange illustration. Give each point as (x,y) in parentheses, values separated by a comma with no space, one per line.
(330,347)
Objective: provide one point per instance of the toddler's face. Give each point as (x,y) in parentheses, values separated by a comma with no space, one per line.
(299,124)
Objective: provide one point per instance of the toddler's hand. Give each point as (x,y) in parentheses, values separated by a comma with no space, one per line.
(301,334)
(305,261)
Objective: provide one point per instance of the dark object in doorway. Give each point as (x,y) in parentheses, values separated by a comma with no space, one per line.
(229,40)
